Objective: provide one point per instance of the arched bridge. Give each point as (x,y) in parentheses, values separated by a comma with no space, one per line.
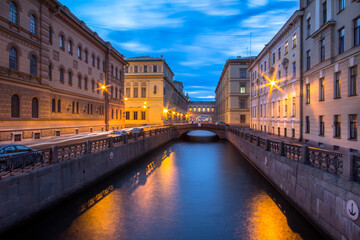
(219,130)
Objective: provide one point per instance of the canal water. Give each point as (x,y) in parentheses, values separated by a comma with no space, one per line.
(194,188)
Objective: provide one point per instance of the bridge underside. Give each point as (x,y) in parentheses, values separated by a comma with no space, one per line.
(218,130)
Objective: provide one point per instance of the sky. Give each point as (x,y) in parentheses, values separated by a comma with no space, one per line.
(195,37)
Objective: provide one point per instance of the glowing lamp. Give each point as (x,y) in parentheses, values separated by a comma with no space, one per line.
(126,99)
(272,83)
(165,110)
(103,87)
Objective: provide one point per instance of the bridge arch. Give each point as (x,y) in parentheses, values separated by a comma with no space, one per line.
(218,130)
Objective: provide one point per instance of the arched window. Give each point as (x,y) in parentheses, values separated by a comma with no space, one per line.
(50,71)
(79,52)
(116,92)
(79,81)
(59,105)
(70,78)
(77,107)
(117,114)
(35,108)
(32,65)
(116,72)
(86,56)
(13,59)
(73,107)
(13,13)
(15,106)
(53,105)
(61,75)
(70,46)
(112,113)
(32,24)
(61,42)
(50,35)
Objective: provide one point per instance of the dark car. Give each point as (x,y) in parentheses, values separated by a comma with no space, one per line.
(17,156)
(118,133)
(137,130)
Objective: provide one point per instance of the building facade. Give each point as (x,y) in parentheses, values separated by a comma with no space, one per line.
(275,82)
(152,96)
(201,111)
(233,92)
(331,63)
(51,73)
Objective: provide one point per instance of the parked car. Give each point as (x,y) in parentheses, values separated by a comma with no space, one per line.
(118,133)
(16,156)
(221,123)
(137,130)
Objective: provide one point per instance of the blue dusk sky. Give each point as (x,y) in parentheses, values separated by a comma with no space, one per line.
(195,37)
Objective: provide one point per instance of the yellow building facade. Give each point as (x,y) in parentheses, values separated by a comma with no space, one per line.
(151,94)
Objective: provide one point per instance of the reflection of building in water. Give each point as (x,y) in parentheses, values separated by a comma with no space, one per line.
(201,111)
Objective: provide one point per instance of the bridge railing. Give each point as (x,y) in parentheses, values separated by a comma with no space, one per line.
(18,163)
(344,165)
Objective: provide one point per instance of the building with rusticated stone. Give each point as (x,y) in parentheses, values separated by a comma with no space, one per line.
(152,96)
(51,72)
(233,92)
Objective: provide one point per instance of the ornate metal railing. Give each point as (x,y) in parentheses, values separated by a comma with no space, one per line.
(71,151)
(356,160)
(274,147)
(99,145)
(262,143)
(326,160)
(292,151)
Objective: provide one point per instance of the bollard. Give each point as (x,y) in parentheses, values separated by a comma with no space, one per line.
(88,147)
(54,154)
(348,166)
(304,154)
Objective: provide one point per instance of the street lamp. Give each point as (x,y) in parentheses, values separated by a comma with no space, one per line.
(104,88)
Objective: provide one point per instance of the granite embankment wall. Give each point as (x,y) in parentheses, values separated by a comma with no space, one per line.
(319,195)
(24,195)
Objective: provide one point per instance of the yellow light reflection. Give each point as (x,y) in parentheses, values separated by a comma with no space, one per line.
(267,221)
(165,110)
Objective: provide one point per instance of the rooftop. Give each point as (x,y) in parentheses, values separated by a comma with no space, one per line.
(146,58)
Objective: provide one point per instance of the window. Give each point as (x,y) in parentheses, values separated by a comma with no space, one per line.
(322,50)
(116,72)
(73,107)
(286,47)
(285,71)
(112,113)
(308,93)
(136,92)
(341,5)
(86,83)
(341,40)
(98,63)
(32,65)
(79,81)
(352,81)
(155,88)
(61,41)
(50,71)
(145,68)
(127,115)
(70,46)
(61,73)
(53,105)
(143,92)
(93,60)
(86,56)
(117,114)
(308,25)
(135,69)
(324,12)
(321,126)
(15,106)
(59,105)
(35,108)
(242,103)
(79,52)
(93,85)
(279,53)
(285,107)
(135,115)
(294,69)
(242,88)
(112,70)
(308,60)
(112,91)
(13,59)
(293,114)
(337,85)
(322,89)
(294,41)
(77,107)
(285,132)
(353,126)
(357,32)
(143,115)
(155,68)
(32,24)
(242,73)
(273,58)
(127,92)
(13,12)
(70,78)
(293,133)
(50,35)
(242,118)
(337,126)
(279,108)
(307,124)
(265,66)
(126,69)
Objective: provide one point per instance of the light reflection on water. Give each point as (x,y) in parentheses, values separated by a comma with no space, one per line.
(184,190)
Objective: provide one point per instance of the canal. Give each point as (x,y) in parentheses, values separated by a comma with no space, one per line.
(194,188)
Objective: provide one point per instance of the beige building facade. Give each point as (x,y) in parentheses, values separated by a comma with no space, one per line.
(152,95)
(51,71)
(232,94)
(331,66)
(201,110)
(275,82)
